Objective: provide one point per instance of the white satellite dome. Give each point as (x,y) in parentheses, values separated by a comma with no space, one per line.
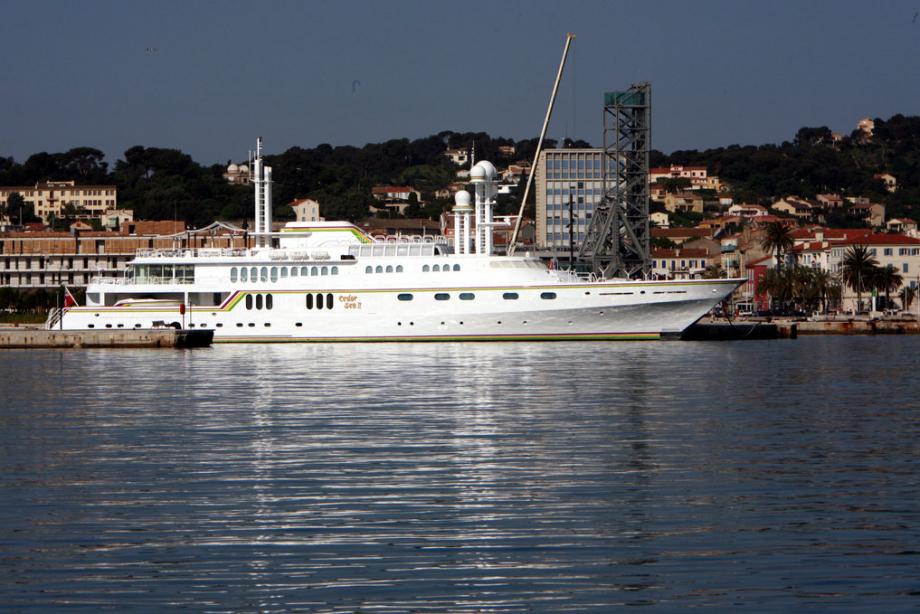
(462,200)
(489,169)
(478,173)
(244,169)
(233,168)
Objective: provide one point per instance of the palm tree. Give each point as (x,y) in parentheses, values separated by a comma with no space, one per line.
(907,297)
(777,239)
(858,268)
(822,282)
(887,280)
(777,284)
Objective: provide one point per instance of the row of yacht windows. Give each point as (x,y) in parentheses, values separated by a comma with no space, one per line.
(279,272)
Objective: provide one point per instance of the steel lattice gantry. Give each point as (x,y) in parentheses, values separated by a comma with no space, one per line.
(617,241)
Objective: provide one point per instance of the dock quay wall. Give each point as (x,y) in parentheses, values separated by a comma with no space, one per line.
(135,338)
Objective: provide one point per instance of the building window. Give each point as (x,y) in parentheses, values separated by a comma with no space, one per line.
(510,296)
(905,268)
(888,251)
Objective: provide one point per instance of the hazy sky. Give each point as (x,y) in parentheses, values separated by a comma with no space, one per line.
(208,77)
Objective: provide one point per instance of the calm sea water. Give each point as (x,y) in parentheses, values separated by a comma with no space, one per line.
(772,475)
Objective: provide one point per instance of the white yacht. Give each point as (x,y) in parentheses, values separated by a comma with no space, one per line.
(330,281)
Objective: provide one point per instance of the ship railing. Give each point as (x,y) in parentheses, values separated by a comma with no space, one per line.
(140,281)
(198,252)
(577,276)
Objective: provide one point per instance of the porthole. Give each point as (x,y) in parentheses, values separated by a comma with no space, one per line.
(329,301)
(298,324)
(91,326)
(248,301)
(267,324)
(334,270)
(239,325)
(268,301)
(219,325)
(309,301)
(436,268)
(121,326)
(548,295)
(251,325)
(379,269)
(442,296)
(191,325)
(404,297)
(258,301)
(510,296)
(467,296)
(138,325)
(233,274)
(108,326)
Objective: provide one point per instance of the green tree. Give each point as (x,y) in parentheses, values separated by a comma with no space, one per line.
(858,270)
(888,279)
(777,239)
(907,297)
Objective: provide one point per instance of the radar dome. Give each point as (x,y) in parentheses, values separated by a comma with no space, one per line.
(489,169)
(244,169)
(477,173)
(462,198)
(233,168)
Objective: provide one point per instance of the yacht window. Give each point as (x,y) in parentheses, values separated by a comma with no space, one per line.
(303,271)
(456,267)
(293,271)
(253,274)
(369,269)
(319,301)
(274,274)
(441,296)
(244,274)
(404,297)
(335,270)
(547,295)
(379,269)
(309,301)
(510,296)
(324,270)
(436,268)
(399,268)
(233,273)
(314,271)
(467,296)
(248,301)
(263,274)
(284,272)
(426,268)
(389,268)
(258,301)
(329,301)
(268,301)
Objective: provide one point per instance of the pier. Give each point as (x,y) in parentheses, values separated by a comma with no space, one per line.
(26,338)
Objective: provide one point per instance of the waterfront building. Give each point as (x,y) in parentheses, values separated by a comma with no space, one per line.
(682,262)
(564,174)
(50,197)
(48,259)
(305,210)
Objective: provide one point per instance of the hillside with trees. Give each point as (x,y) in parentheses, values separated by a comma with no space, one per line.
(162,183)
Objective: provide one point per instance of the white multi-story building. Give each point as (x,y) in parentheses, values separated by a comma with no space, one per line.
(564,174)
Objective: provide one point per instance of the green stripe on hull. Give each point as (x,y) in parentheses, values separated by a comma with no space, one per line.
(438,338)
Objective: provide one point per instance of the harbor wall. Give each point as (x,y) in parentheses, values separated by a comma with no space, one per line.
(135,338)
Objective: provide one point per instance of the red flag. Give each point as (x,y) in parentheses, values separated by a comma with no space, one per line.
(69,300)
